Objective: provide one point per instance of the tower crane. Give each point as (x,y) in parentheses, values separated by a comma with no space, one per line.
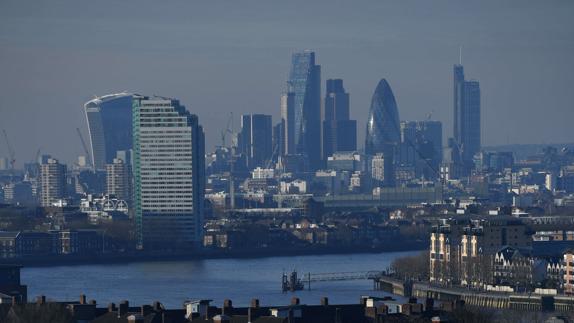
(228,130)
(11,152)
(84,146)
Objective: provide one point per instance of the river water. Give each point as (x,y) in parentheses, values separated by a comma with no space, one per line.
(173,282)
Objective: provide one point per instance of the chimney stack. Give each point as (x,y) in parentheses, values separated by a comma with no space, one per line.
(123,308)
(41,300)
(82,299)
(93,302)
(295,301)
(157,306)
(254,303)
(227,307)
(325,301)
(112,307)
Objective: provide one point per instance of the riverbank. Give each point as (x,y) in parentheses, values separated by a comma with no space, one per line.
(141,256)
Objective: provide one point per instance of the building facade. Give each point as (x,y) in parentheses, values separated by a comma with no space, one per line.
(118,182)
(52,182)
(305,84)
(168,173)
(255,139)
(110,125)
(466,116)
(339,131)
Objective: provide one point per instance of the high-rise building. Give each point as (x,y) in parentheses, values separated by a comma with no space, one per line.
(169,173)
(110,126)
(466,98)
(288,123)
(383,128)
(118,179)
(305,83)
(52,182)
(255,139)
(339,132)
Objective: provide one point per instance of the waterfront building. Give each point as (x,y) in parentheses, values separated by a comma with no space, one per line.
(466,126)
(118,179)
(255,139)
(339,131)
(462,250)
(305,84)
(52,182)
(568,265)
(383,128)
(168,173)
(110,125)
(288,123)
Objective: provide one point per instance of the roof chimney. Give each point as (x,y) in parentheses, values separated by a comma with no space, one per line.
(41,300)
(123,308)
(111,307)
(82,299)
(295,301)
(325,301)
(254,303)
(227,307)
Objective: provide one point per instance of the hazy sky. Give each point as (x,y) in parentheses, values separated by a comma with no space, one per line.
(219,57)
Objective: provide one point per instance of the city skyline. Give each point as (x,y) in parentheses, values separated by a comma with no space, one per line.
(510,64)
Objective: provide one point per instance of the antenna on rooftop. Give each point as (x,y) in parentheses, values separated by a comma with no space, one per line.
(460,55)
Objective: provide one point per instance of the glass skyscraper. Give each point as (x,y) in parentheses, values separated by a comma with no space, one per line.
(339,132)
(466,125)
(305,84)
(255,139)
(383,129)
(110,125)
(169,173)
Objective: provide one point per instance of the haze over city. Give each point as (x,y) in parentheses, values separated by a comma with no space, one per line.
(222,57)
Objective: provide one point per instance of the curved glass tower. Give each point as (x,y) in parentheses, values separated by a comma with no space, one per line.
(110,125)
(383,127)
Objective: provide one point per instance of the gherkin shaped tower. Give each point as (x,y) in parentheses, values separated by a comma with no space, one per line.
(383,127)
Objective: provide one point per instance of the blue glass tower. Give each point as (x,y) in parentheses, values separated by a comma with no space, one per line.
(305,84)
(110,125)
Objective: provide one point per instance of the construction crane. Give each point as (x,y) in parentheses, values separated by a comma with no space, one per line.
(84,146)
(227,130)
(11,151)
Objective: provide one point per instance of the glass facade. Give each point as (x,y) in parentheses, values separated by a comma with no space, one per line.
(110,127)
(383,127)
(169,150)
(305,84)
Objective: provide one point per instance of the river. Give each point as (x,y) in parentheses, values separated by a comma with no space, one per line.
(173,282)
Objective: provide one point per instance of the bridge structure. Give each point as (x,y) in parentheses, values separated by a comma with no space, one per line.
(292,283)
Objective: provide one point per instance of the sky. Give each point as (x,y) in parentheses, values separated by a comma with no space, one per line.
(222,57)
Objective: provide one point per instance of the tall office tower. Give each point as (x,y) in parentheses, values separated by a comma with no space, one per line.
(383,128)
(339,132)
(288,122)
(118,179)
(52,182)
(305,83)
(466,115)
(110,126)
(169,173)
(255,139)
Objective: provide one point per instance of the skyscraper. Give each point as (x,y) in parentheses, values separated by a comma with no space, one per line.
(383,129)
(52,182)
(466,126)
(339,132)
(169,177)
(288,122)
(421,145)
(255,139)
(110,126)
(305,84)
